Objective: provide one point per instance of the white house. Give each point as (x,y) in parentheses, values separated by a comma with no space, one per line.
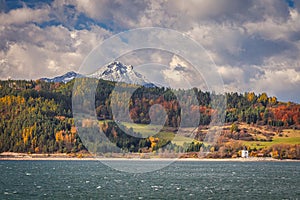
(245,154)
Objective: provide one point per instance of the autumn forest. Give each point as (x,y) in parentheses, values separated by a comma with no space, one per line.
(36,117)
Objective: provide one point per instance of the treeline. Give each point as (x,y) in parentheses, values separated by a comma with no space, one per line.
(248,107)
(36,116)
(33,125)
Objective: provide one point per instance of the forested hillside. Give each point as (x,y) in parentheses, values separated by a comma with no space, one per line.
(36,116)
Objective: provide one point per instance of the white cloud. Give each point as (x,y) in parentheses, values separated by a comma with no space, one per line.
(252,42)
(283,83)
(231,74)
(24,15)
(276,30)
(181,74)
(220,40)
(115,13)
(177,62)
(32,52)
(183,15)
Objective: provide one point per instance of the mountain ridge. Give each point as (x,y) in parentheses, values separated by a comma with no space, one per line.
(63,78)
(114,71)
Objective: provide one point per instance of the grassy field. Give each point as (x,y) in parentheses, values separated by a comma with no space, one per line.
(143,129)
(180,140)
(289,136)
(147,131)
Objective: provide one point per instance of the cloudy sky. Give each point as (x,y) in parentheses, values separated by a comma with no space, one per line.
(254,44)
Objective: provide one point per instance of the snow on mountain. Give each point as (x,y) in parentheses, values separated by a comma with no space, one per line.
(118,72)
(64,78)
(114,71)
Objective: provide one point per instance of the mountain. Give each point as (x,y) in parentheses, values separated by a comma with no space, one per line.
(114,71)
(118,72)
(64,78)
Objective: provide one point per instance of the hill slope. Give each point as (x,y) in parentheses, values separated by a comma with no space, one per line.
(36,116)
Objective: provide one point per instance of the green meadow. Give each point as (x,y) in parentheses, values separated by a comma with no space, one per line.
(288,136)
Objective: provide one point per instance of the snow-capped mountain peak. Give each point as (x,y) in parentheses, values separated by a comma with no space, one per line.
(64,78)
(116,71)
(117,67)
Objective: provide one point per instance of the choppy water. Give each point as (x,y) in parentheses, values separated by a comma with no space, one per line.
(180,180)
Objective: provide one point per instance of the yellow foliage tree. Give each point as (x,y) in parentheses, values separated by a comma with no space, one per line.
(250,96)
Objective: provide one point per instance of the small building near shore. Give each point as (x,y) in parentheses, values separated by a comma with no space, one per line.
(245,154)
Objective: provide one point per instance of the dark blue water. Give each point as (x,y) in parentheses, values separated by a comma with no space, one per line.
(181,180)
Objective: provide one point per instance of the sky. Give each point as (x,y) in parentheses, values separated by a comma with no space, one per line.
(255,45)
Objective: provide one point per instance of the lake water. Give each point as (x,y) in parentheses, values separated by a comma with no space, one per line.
(180,180)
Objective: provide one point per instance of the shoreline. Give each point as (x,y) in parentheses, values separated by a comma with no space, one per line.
(65,157)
